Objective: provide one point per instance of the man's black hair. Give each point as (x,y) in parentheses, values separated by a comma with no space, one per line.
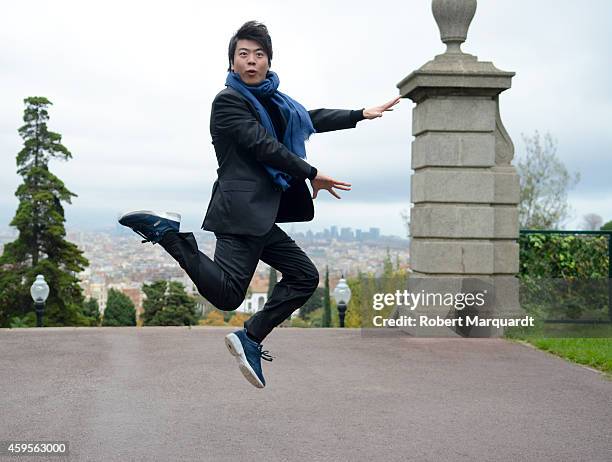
(251,30)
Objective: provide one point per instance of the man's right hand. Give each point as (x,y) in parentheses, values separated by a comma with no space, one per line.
(325,182)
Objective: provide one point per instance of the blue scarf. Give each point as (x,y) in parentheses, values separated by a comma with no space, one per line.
(299,125)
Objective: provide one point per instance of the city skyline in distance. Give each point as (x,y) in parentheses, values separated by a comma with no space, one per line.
(106,221)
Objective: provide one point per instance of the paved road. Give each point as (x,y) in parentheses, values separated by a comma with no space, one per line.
(175,394)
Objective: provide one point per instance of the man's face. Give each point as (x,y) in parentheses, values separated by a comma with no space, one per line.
(250,62)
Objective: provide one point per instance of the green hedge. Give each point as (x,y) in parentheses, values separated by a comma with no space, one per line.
(564,276)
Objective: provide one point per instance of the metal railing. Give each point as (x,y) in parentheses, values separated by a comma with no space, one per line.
(596,233)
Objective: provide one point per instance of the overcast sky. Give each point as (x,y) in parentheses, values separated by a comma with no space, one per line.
(132,85)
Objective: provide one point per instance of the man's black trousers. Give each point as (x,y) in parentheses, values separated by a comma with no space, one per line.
(225,280)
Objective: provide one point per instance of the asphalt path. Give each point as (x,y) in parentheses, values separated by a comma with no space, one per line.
(176,394)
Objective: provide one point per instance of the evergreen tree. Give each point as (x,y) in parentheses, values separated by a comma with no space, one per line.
(314,302)
(119,311)
(154,301)
(355,309)
(272,282)
(167,304)
(387,265)
(41,247)
(607,226)
(326,319)
(91,310)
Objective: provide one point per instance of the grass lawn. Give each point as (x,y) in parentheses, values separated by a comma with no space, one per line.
(566,341)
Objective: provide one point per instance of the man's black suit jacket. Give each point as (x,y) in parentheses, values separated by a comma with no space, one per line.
(244,198)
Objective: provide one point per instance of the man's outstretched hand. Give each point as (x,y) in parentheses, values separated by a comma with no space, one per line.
(325,182)
(377,111)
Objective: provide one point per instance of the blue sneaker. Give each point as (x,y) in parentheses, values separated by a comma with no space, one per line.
(151,225)
(248,354)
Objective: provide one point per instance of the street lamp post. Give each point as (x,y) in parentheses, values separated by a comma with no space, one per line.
(39,292)
(342,295)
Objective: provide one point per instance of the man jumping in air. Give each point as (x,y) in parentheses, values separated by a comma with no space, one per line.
(259,137)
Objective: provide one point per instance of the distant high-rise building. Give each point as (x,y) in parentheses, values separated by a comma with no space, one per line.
(346,234)
(359,235)
(374,233)
(334,232)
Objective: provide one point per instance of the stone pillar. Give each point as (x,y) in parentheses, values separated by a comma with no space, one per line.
(464,223)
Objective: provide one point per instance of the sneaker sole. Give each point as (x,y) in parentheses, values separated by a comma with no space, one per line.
(234,345)
(167,215)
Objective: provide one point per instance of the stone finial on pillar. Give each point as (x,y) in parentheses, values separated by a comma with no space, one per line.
(464,222)
(453,18)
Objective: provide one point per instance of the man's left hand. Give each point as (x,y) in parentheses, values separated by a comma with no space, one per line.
(377,111)
(326,182)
